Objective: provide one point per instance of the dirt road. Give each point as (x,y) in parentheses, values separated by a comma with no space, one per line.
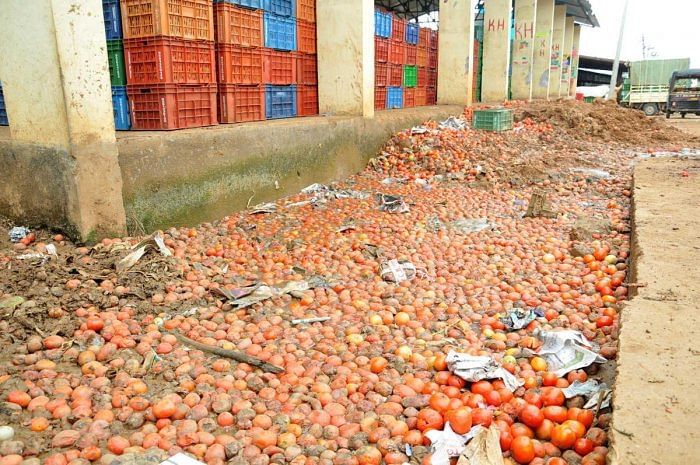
(689,124)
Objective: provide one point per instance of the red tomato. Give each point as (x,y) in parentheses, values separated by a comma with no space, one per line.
(532,416)
(555,413)
(460,420)
(553,396)
(583,446)
(522,449)
(563,437)
(482,387)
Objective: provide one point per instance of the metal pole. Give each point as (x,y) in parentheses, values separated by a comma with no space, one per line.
(616,64)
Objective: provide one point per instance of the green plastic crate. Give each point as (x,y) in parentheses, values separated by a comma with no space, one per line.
(493,120)
(410,76)
(115,58)
(589,99)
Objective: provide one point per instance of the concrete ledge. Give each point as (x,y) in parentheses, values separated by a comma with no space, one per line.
(657,395)
(186,177)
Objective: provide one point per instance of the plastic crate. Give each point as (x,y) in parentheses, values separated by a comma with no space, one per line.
(306,37)
(307,69)
(172,106)
(255,4)
(421,96)
(380,98)
(394,97)
(382,24)
(424,38)
(381,50)
(238,26)
(431,96)
(307,100)
(279,68)
(432,78)
(395,75)
(184,19)
(412,33)
(306,10)
(410,76)
(238,104)
(3,110)
(280,32)
(381,74)
(286,8)
(422,57)
(115,59)
(589,99)
(493,120)
(397,54)
(433,44)
(422,77)
(398,29)
(120,105)
(432,60)
(280,101)
(410,54)
(166,60)
(239,65)
(113,19)
(409,97)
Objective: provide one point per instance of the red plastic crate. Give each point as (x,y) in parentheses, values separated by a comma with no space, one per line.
(172,106)
(398,29)
(431,96)
(422,57)
(307,100)
(306,10)
(397,54)
(410,53)
(395,75)
(433,40)
(381,74)
(380,98)
(306,37)
(421,96)
(279,67)
(307,69)
(184,19)
(424,38)
(238,65)
(422,76)
(238,26)
(381,50)
(409,97)
(432,78)
(432,60)
(166,60)
(238,104)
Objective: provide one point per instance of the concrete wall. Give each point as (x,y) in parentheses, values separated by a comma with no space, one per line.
(496,62)
(523,53)
(455,60)
(574,59)
(566,61)
(190,176)
(557,51)
(543,49)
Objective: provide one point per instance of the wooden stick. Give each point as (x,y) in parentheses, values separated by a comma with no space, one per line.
(311,320)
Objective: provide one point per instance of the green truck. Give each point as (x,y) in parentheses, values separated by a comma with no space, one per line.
(647,86)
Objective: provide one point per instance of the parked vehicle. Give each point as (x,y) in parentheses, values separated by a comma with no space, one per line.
(648,85)
(684,93)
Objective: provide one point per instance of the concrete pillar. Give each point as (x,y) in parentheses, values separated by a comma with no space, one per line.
(523,53)
(564,87)
(345,48)
(456,45)
(557,48)
(543,49)
(494,72)
(574,59)
(58,96)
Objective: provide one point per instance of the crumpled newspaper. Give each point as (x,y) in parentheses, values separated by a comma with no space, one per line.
(474,368)
(454,123)
(484,448)
(392,204)
(154,241)
(18,233)
(324,193)
(468,226)
(519,318)
(446,443)
(592,391)
(247,296)
(566,351)
(399,270)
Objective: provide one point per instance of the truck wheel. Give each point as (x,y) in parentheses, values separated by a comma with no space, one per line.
(668,114)
(650,109)
(682,115)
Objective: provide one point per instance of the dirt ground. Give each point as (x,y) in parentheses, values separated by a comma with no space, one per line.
(657,396)
(690,123)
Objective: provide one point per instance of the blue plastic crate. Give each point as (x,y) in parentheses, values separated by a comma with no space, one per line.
(280,102)
(412,33)
(120,103)
(3,111)
(285,8)
(394,98)
(255,4)
(113,19)
(280,32)
(382,24)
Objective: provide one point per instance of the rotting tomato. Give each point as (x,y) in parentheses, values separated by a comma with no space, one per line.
(522,449)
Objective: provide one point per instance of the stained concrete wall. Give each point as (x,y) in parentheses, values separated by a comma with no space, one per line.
(523,49)
(455,60)
(190,176)
(557,51)
(574,59)
(496,61)
(566,61)
(543,49)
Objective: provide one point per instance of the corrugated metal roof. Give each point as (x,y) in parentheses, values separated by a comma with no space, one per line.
(581,10)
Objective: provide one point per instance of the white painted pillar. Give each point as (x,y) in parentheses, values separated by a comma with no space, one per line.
(574,59)
(523,53)
(494,72)
(58,97)
(557,49)
(543,49)
(456,47)
(564,88)
(345,48)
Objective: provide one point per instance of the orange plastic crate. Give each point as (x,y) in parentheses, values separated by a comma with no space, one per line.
(432,78)
(381,50)
(421,96)
(380,98)
(279,67)
(433,40)
(432,59)
(397,54)
(238,26)
(424,38)
(395,75)
(172,106)
(166,60)
(381,74)
(410,52)
(422,57)
(238,104)
(185,19)
(238,65)
(306,37)
(398,29)
(422,77)
(307,71)
(409,97)
(431,96)
(306,10)
(307,100)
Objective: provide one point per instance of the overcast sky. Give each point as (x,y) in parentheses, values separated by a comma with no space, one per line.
(671,27)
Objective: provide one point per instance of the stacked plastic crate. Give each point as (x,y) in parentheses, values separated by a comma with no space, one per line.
(433,38)
(115,59)
(280,58)
(382,67)
(169,54)
(307,76)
